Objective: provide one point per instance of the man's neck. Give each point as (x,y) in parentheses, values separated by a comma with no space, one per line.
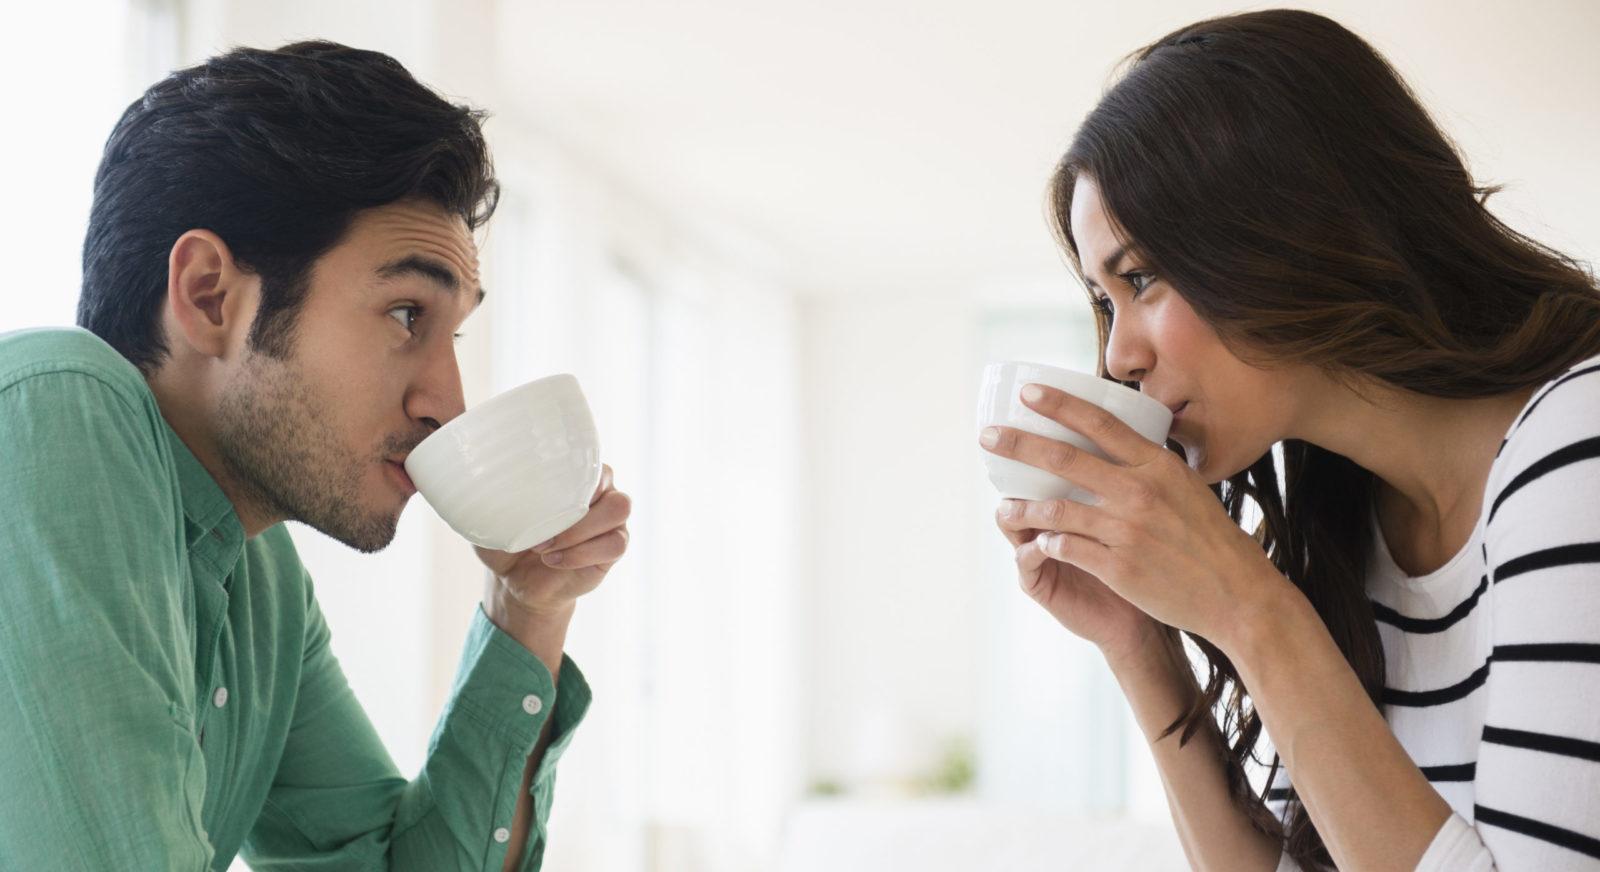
(192,426)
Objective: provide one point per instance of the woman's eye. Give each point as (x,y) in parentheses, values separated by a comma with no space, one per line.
(405,320)
(1138,280)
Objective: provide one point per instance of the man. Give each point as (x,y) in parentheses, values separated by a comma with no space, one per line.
(280,249)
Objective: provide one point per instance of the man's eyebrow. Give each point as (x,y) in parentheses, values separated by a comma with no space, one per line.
(427,268)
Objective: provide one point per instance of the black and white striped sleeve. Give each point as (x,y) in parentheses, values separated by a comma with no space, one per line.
(1537,802)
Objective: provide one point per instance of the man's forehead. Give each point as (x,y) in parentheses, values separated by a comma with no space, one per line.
(400,230)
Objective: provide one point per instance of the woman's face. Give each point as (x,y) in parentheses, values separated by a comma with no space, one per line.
(1234,412)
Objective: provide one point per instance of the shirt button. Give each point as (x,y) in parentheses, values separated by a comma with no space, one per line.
(532,704)
(502,835)
(220,698)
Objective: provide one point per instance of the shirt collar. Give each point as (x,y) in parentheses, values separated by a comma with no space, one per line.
(211,525)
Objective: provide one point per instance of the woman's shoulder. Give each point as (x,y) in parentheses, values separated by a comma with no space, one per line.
(1547,470)
(1562,407)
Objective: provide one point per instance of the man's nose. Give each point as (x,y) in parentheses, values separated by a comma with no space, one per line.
(437,398)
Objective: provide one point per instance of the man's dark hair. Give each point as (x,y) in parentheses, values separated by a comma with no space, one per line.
(275,152)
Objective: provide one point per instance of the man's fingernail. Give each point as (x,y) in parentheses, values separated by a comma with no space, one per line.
(989,437)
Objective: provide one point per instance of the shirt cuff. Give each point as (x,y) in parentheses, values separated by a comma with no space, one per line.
(1456,848)
(508,690)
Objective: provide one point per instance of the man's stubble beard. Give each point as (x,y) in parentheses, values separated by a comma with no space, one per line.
(283,454)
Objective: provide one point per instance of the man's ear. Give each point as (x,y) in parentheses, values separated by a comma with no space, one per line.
(211,301)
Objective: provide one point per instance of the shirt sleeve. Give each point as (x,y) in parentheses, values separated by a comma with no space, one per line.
(1538,769)
(99,762)
(337,802)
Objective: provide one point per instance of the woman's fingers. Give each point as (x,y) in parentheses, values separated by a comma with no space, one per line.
(1058,458)
(609,513)
(1110,433)
(1018,519)
(1014,535)
(1030,558)
(1030,567)
(1080,551)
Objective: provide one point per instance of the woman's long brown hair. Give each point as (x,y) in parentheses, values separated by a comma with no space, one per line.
(1276,172)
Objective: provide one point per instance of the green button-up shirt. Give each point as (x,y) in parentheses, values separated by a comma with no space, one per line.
(168,698)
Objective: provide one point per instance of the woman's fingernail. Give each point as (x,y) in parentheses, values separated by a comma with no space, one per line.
(1009,508)
(539,548)
(989,437)
(1033,393)
(1044,541)
(553,558)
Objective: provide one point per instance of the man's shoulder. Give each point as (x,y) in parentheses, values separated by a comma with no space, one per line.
(64,391)
(41,351)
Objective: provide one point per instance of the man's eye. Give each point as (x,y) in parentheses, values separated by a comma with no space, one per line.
(406,320)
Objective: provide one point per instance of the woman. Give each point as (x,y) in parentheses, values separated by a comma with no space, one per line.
(1282,246)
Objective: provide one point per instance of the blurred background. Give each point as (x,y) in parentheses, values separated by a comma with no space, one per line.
(776,242)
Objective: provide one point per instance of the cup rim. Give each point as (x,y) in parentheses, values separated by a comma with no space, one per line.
(1090,378)
(494,404)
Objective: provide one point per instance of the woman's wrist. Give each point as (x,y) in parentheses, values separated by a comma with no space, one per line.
(1158,652)
(1259,624)
(1157,681)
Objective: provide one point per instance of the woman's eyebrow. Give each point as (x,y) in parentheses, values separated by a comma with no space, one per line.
(1111,261)
(1107,265)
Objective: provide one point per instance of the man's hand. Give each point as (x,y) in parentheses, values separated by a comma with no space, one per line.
(539,586)
(531,595)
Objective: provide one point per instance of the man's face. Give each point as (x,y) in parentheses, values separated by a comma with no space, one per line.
(318,437)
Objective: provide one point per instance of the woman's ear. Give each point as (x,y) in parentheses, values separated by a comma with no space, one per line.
(210,299)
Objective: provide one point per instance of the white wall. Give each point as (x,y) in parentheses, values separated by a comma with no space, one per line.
(919,633)
(895,639)
(54,137)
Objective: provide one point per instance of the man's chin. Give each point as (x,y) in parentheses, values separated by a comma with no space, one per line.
(369,535)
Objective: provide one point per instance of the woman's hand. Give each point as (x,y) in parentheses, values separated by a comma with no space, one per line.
(1158,538)
(1081,602)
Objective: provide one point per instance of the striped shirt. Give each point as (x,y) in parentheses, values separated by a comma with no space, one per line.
(1493,660)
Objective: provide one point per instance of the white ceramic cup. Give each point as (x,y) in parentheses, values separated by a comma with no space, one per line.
(1000,404)
(516,469)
